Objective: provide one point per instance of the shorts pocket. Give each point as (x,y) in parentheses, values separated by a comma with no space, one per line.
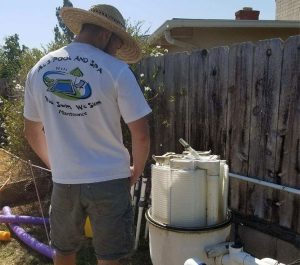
(110,197)
(61,197)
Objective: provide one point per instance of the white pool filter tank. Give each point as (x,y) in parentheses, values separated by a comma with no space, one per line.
(189,206)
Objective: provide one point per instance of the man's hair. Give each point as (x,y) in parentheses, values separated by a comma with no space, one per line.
(91,28)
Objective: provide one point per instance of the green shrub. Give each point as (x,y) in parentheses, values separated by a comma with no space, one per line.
(12,126)
(12,122)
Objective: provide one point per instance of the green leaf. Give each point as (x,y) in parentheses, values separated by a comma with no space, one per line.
(76,72)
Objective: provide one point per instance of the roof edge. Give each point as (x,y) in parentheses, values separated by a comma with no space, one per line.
(220,23)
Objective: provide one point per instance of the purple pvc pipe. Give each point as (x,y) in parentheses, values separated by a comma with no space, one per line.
(23,219)
(28,239)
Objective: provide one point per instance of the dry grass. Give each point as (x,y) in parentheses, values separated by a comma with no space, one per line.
(10,169)
(15,252)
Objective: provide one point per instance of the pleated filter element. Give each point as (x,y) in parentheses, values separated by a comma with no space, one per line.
(188,194)
(160,182)
(179,195)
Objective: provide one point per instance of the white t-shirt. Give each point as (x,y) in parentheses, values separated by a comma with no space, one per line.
(79,93)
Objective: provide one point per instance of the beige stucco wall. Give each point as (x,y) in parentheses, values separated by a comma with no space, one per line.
(288,9)
(206,38)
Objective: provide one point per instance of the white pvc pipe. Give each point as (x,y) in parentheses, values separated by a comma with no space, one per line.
(238,257)
(217,250)
(244,258)
(194,261)
(140,214)
(270,261)
(265,183)
(202,197)
(225,191)
(132,193)
(146,230)
(212,199)
(221,191)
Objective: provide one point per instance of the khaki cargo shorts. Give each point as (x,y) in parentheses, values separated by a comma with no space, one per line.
(108,205)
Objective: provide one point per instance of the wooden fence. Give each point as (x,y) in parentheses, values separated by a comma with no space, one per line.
(243,103)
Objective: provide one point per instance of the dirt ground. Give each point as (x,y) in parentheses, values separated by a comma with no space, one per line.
(15,252)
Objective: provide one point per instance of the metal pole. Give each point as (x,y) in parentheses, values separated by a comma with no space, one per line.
(140,214)
(265,183)
(147,224)
(135,196)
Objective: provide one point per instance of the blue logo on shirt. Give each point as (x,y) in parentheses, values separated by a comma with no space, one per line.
(67,85)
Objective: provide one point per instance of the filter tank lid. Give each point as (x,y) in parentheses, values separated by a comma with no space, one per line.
(186,161)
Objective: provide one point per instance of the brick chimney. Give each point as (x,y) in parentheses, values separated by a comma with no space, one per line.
(247,14)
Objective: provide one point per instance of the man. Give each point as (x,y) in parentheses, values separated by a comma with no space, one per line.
(74,99)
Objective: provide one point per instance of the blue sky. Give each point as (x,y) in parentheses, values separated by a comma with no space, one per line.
(34,20)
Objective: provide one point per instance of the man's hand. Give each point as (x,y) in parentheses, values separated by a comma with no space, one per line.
(134,176)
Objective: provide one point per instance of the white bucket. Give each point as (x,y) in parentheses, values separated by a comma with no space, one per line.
(170,245)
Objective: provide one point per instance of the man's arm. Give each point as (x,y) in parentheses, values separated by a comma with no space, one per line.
(140,138)
(35,136)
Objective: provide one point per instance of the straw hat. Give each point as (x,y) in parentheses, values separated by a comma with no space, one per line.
(108,17)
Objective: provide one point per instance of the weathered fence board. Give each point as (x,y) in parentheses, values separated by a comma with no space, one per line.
(151,69)
(288,165)
(264,117)
(238,120)
(197,95)
(176,90)
(156,102)
(217,99)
